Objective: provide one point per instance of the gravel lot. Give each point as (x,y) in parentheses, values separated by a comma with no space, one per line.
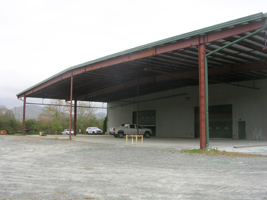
(41,168)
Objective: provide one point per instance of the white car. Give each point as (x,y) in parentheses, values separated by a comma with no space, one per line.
(93,131)
(66,132)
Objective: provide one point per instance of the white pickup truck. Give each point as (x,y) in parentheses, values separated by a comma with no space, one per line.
(131,129)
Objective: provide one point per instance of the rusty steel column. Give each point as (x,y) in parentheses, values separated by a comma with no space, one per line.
(24,114)
(202,115)
(137,113)
(75,117)
(71,88)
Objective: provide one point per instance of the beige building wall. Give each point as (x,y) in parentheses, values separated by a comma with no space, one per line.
(175,109)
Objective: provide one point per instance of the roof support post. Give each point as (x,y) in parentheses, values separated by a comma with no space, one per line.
(24,114)
(71,88)
(75,117)
(202,92)
(137,113)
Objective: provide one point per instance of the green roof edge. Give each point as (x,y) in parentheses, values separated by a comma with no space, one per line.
(156,43)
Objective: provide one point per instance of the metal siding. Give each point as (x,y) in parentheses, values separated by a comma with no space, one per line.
(248,105)
(118,115)
(175,116)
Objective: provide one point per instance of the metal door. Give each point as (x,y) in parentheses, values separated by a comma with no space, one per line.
(220,121)
(147,119)
(242,129)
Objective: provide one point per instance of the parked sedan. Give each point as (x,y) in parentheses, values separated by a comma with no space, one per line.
(93,130)
(66,132)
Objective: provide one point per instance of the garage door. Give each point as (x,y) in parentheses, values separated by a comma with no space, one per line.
(147,119)
(220,121)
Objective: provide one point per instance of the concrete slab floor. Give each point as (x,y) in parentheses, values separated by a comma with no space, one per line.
(229,145)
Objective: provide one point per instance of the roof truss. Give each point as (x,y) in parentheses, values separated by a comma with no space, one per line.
(163,65)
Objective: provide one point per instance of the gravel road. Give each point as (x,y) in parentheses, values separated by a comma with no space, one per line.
(41,168)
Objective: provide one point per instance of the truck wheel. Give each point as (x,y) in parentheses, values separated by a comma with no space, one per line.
(120,134)
(147,134)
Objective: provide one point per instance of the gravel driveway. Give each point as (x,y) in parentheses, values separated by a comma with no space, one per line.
(41,168)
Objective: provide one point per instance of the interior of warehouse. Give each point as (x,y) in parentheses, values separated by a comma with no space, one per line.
(236,110)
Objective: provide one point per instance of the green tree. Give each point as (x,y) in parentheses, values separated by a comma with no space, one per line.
(13,126)
(54,117)
(32,125)
(56,126)
(8,121)
(85,116)
(105,124)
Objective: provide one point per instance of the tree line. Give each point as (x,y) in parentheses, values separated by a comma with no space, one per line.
(53,119)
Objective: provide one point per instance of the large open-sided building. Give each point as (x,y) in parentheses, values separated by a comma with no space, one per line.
(173,85)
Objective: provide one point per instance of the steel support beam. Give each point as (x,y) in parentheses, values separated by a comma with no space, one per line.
(122,59)
(257,66)
(24,114)
(213,36)
(202,102)
(137,113)
(173,46)
(75,117)
(71,92)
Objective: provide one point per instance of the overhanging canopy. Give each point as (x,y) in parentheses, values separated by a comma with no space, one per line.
(163,65)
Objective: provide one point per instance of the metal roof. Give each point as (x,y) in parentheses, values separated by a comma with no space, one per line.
(164,64)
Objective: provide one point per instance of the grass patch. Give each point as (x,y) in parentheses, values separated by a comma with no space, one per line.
(216,152)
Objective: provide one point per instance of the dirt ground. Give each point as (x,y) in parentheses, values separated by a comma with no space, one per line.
(46,168)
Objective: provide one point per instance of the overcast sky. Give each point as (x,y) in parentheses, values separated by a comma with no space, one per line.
(39,38)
